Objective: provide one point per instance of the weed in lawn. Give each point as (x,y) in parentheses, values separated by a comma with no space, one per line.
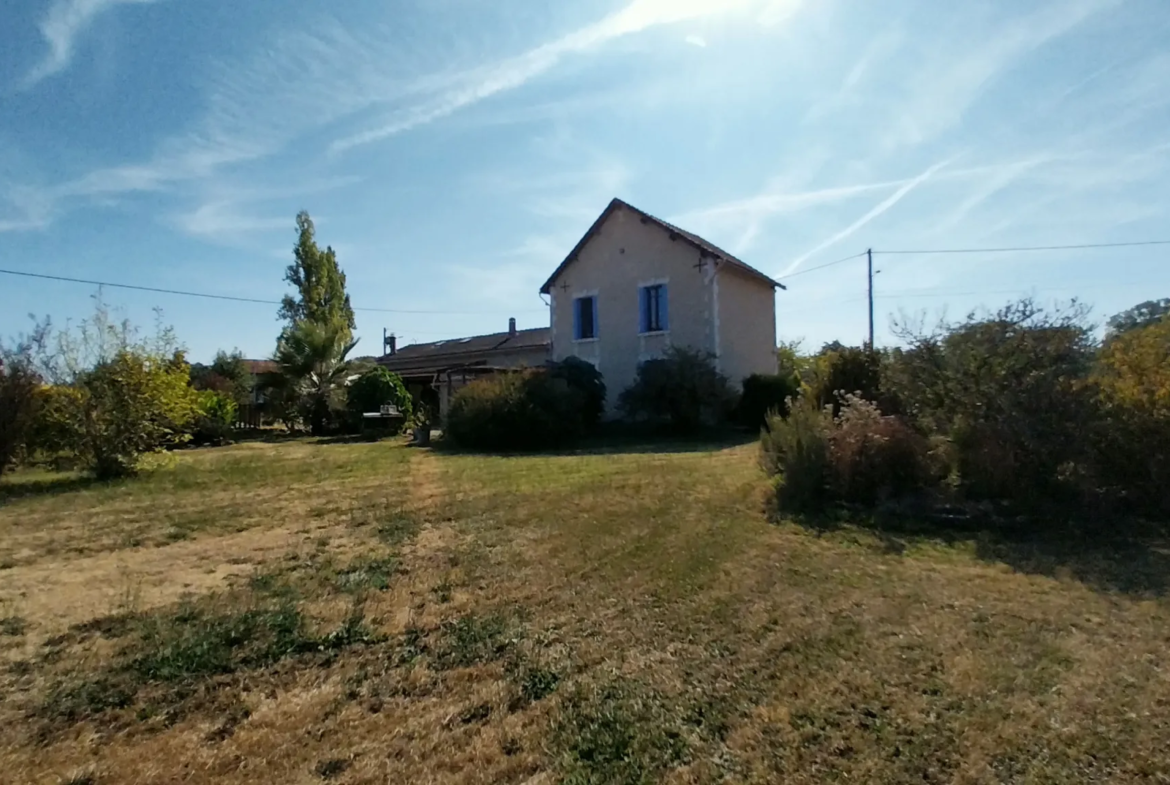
(367,574)
(620,732)
(87,777)
(535,683)
(471,640)
(330,768)
(13,626)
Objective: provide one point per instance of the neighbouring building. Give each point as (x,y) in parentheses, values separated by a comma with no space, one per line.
(633,286)
(432,372)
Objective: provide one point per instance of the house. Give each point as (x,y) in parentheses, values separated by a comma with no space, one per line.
(635,285)
(433,372)
(632,287)
(257,371)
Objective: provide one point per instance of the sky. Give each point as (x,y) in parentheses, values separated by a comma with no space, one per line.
(452,152)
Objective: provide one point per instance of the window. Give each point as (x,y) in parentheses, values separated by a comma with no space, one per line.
(585,318)
(654,309)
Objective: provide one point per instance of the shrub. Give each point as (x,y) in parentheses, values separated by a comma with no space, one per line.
(875,456)
(131,405)
(524,410)
(860,456)
(55,432)
(1132,445)
(764,395)
(19,386)
(1008,390)
(215,417)
(586,379)
(795,450)
(683,389)
(845,370)
(374,388)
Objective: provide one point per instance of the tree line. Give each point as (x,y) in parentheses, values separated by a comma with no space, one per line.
(101,394)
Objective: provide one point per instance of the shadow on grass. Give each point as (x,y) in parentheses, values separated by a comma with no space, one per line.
(623,441)
(17,487)
(1111,555)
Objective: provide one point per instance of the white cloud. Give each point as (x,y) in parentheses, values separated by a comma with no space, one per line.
(65,22)
(510,73)
(696,40)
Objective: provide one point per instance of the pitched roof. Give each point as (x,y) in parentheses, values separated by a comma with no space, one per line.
(439,355)
(705,247)
(257,367)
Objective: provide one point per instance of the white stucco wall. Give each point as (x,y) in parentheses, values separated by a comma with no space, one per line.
(623,256)
(746,325)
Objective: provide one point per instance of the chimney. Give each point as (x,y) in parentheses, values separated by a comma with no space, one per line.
(512,327)
(389,343)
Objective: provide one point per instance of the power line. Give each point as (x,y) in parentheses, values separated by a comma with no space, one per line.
(822,266)
(1028,248)
(232,298)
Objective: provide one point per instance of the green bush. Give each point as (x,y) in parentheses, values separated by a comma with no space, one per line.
(524,410)
(374,388)
(131,405)
(844,370)
(682,389)
(55,435)
(1009,390)
(795,451)
(582,376)
(860,456)
(765,394)
(215,417)
(19,385)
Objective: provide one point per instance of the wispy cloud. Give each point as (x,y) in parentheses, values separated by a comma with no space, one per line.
(878,210)
(66,21)
(696,40)
(513,72)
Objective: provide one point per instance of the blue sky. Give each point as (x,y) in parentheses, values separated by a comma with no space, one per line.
(453,151)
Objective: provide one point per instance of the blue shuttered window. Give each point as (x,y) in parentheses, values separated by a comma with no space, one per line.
(584,318)
(653,309)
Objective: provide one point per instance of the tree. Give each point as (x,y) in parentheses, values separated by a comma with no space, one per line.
(1142,315)
(312,369)
(320,283)
(374,388)
(226,375)
(19,399)
(134,404)
(1008,389)
(1133,376)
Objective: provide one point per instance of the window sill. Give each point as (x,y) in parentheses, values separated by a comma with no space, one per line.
(653,333)
(585,340)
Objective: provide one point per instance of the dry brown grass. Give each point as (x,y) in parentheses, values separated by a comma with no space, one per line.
(628,616)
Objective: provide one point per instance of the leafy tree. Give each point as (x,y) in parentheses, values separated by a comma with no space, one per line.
(215,416)
(682,388)
(843,370)
(321,298)
(133,404)
(376,387)
(1008,389)
(1133,376)
(226,374)
(312,369)
(19,386)
(1142,315)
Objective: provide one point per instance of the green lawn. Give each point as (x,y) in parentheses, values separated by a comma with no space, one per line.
(307,612)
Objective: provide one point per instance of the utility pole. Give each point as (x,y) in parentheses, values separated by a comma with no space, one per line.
(869,257)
